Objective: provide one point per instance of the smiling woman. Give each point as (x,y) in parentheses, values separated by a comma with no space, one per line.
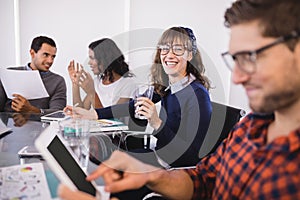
(182,90)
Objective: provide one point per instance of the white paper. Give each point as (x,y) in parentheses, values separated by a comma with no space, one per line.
(24,82)
(24,182)
(3,128)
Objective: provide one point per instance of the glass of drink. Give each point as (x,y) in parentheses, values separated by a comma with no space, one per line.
(76,133)
(143,90)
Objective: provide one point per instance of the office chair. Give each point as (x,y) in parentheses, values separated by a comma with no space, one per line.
(223,118)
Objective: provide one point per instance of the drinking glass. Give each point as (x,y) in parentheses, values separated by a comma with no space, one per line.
(76,133)
(143,90)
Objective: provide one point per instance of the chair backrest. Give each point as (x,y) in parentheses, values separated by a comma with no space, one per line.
(223,119)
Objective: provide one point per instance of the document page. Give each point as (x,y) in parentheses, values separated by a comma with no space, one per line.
(3,128)
(24,182)
(24,82)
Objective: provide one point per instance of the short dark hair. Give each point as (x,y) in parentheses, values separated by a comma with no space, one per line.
(276,17)
(38,42)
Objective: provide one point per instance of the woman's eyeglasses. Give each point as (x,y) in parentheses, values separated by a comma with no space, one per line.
(177,49)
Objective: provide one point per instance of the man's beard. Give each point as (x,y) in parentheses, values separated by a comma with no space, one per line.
(273,102)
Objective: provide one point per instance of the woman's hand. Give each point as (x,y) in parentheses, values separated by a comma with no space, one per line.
(81,113)
(86,82)
(148,109)
(74,72)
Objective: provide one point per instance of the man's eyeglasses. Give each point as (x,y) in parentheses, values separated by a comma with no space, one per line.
(177,49)
(246,60)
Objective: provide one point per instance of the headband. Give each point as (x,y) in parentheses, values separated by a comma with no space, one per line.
(192,38)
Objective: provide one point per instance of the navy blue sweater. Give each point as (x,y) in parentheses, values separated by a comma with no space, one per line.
(185,115)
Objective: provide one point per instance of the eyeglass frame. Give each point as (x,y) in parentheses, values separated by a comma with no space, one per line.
(253,54)
(171,47)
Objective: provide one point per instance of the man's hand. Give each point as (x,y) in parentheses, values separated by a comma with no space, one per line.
(21,104)
(67,194)
(122,172)
(20,119)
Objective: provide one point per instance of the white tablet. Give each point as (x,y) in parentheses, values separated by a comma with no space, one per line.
(63,162)
(55,116)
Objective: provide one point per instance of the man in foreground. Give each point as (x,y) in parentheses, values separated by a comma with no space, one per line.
(261,157)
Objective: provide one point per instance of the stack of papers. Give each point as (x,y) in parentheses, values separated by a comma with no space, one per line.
(102,125)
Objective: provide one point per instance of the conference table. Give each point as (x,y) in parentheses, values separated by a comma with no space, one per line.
(25,128)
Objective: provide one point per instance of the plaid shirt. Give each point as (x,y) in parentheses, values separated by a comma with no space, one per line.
(245,166)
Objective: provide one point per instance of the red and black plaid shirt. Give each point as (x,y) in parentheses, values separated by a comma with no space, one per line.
(245,166)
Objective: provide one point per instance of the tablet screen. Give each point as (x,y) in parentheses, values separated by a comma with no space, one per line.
(70,166)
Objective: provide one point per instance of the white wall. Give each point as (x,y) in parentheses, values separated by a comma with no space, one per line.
(7,39)
(134,24)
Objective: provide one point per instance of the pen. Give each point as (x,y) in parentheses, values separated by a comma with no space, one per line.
(75,105)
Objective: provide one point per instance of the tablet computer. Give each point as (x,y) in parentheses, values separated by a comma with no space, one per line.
(55,116)
(63,161)
(29,151)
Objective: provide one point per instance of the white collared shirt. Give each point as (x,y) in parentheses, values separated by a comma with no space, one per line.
(179,85)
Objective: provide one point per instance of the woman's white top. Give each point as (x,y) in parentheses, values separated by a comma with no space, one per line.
(110,94)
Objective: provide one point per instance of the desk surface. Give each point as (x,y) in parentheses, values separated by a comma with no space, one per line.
(25,129)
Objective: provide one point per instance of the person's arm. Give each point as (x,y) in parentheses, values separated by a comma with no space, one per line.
(116,111)
(98,103)
(74,76)
(75,73)
(58,97)
(86,82)
(175,184)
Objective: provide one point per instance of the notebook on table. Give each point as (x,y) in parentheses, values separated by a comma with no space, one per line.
(105,125)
